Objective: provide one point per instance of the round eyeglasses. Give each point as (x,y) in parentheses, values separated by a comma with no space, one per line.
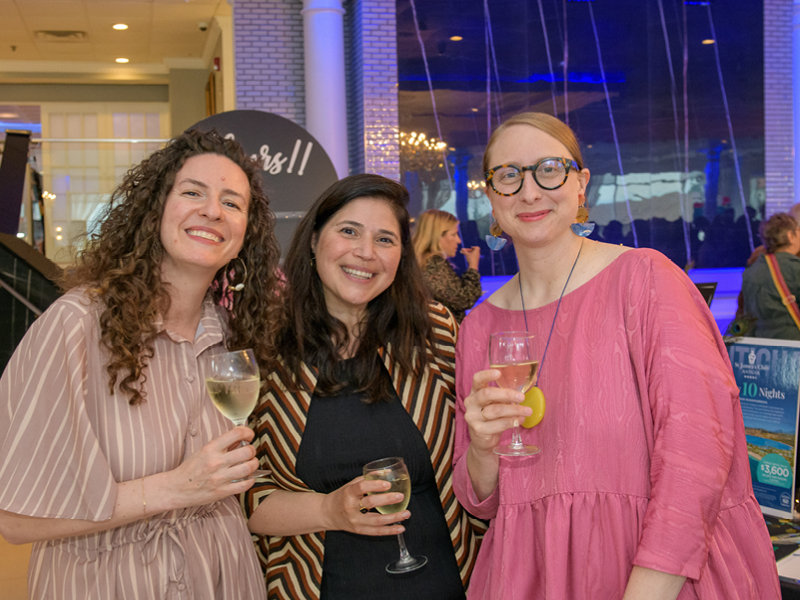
(549,174)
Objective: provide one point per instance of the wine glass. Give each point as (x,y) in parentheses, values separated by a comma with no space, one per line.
(394,471)
(234,384)
(512,353)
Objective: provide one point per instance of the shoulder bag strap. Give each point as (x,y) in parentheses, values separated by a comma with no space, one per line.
(789,301)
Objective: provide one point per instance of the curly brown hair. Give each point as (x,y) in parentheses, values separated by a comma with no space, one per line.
(774,231)
(120,265)
(398,317)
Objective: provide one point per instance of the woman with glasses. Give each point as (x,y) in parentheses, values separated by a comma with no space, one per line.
(641,488)
(435,240)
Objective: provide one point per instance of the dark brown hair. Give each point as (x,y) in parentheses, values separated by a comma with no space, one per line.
(774,231)
(398,317)
(121,263)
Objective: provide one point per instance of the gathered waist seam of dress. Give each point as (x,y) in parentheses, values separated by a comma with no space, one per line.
(575,493)
(139,533)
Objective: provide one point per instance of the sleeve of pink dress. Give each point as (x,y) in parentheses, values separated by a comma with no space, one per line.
(51,464)
(689,390)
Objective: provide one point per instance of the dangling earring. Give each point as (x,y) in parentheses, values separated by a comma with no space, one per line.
(494,241)
(581,227)
(239,286)
(313,261)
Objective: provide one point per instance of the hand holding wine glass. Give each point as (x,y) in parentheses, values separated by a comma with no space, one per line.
(234,384)
(394,471)
(513,354)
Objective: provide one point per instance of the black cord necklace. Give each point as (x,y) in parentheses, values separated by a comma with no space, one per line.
(525,316)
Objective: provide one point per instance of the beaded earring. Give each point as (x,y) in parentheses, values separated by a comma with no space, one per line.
(494,241)
(581,227)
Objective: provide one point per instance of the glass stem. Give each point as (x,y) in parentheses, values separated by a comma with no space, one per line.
(516,438)
(236,423)
(404,555)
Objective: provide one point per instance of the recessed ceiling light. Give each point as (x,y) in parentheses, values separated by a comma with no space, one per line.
(474,110)
(122,60)
(708,42)
(456,38)
(8,115)
(120,27)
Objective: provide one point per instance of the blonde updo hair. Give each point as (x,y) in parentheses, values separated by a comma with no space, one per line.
(543,122)
(431,226)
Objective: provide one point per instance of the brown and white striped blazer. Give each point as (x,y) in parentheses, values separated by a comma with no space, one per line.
(293,564)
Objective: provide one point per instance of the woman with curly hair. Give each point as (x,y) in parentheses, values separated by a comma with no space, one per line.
(435,240)
(114,462)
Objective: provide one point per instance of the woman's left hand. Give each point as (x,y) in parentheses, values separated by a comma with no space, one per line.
(215,471)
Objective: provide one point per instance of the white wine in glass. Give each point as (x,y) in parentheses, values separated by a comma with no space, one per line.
(512,353)
(394,471)
(233,384)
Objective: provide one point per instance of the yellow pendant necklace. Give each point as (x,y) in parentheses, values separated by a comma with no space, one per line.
(534,397)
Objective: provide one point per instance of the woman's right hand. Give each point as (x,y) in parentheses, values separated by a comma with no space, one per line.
(218,470)
(342,508)
(489,411)
(473,256)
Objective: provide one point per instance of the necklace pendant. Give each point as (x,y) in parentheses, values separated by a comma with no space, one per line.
(534,399)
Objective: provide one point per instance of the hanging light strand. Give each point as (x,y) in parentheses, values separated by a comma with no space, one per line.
(549,59)
(433,97)
(681,194)
(730,131)
(498,103)
(613,126)
(566,62)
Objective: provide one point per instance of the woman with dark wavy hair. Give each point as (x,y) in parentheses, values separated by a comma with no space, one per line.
(114,462)
(364,370)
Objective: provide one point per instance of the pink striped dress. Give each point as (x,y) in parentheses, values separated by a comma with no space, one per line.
(65,443)
(643,459)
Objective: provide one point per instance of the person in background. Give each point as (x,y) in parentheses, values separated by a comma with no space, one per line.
(114,461)
(436,239)
(364,370)
(794,212)
(641,489)
(761,299)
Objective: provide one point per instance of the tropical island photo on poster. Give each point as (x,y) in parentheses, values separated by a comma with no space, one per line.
(768,375)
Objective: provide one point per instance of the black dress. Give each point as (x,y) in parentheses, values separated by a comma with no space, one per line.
(343,434)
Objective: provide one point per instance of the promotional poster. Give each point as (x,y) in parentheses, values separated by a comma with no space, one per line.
(767,372)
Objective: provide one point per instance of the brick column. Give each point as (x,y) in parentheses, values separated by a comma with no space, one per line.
(373,119)
(270,73)
(778,105)
(270,76)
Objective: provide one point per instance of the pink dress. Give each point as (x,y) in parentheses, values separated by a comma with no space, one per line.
(643,458)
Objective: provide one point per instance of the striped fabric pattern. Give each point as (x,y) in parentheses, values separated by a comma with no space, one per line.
(65,442)
(293,564)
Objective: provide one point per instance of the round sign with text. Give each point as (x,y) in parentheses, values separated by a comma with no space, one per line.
(296,167)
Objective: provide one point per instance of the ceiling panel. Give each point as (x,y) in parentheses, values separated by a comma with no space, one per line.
(158,29)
